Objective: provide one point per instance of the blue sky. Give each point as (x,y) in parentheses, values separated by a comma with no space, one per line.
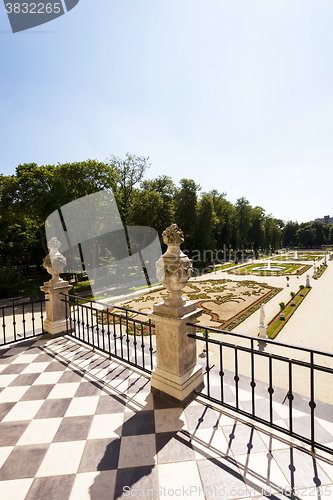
(236,94)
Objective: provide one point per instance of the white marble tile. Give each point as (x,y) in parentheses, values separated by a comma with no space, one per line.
(63,390)
(48,378)
(209,443)
(82,406)
(40,431)
(61,459)
(36,367)
(262,470)
(180,475)
(85,480)
(5,380)
(104,426)
(23,410)
(25,358)
(12,394)
(16,489)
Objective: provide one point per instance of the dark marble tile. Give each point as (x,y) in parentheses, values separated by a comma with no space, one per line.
(141,479)
(6,359)
(37,392)
(200,417)
(243,439)
(24,379)
(103,486)
(5,408)
(14,368)
(42,358)
(88,389)
(139,423)
(69,377)
(54,487)
(223,476)
(100,454)
(52,408)
(10,432)
(23,462)
(162,404)
(73,429)
(174,447)
(110,404)
(56,366)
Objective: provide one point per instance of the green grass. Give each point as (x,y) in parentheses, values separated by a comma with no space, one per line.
(289,269)
(277,323)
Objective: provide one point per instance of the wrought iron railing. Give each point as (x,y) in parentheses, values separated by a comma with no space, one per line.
(114,330)
(238,357)
(21,318)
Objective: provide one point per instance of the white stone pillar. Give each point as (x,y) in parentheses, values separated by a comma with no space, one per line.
(54,263)
(177,374)
(55,321)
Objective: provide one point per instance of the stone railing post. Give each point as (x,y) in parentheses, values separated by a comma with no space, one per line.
(177,374)
(54,263)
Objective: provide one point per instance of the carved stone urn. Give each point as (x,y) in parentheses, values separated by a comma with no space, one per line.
(174,268)
(54,262)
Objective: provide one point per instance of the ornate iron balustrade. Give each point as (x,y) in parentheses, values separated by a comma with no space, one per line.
(21,318)
(254,357)
(116,333)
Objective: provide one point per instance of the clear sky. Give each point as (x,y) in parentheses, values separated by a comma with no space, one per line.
(235,94)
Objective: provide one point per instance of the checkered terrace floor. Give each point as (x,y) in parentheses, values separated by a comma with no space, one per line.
(77,425)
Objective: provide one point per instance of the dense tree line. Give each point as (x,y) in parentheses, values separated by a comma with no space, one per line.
(209,221)
(307,234)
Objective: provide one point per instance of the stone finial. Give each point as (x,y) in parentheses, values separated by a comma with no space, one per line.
(174,268)
(54,262)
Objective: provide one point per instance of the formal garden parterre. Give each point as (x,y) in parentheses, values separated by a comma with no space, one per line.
(225,303)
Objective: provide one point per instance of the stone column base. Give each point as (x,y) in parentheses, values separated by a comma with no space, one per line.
(177,389)
(262,331)
(55,327)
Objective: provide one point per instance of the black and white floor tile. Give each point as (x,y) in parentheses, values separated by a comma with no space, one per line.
(75,425)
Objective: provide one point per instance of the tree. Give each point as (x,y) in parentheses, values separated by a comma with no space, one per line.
(186,200)
(289,234)
(204,232)
(256,231)
(34,192)
(129,173)
(243,218)
(165,188)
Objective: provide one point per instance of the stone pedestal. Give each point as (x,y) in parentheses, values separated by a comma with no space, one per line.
(55,321)
(263,331)
(177,374)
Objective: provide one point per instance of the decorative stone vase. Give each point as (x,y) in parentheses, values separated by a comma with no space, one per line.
(174,268)
(54,262)
(282,316)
